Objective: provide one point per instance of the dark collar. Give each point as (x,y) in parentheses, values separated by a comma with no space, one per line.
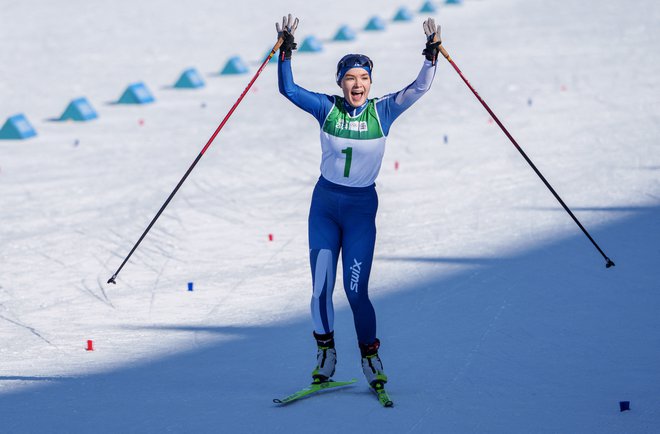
(354,111)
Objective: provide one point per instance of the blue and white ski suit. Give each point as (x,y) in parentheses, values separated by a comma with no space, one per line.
(342,215)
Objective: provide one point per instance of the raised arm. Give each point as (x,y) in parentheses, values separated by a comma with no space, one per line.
(316,104)
(391,106)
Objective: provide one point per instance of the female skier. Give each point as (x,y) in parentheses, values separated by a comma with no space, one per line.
(344,202)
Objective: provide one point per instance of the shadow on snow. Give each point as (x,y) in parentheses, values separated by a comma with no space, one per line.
(548,340)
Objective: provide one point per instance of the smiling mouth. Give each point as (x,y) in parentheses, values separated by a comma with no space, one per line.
(357,93)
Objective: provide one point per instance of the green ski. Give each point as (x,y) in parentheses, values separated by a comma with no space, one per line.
(312,389)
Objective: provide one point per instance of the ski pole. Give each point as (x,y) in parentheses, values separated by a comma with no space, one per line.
(444,52)
(199,157)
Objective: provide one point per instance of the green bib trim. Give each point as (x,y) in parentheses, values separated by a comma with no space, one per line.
(365,126)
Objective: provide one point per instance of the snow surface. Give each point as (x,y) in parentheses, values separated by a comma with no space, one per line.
(495,312)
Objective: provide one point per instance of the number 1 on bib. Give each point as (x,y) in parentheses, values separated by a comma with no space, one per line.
(349,156)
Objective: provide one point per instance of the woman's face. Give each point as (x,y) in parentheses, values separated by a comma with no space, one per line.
(356,84)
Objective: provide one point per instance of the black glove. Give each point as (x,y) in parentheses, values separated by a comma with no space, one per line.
(289,26)
(287,47)
(433,40)
(431,51)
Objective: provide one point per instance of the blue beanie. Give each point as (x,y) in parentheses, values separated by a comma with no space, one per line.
(351,61)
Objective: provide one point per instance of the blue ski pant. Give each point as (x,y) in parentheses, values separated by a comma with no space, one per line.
(342,219)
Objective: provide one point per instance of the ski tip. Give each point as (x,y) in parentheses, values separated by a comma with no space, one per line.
(313,389)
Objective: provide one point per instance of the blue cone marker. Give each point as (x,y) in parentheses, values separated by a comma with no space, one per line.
(190,286)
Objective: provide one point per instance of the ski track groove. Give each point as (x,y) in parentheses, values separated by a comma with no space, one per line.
(50,258)
(30,329)
(87,290)
(155,285)
(100,283)
(243,279)
(469,358)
